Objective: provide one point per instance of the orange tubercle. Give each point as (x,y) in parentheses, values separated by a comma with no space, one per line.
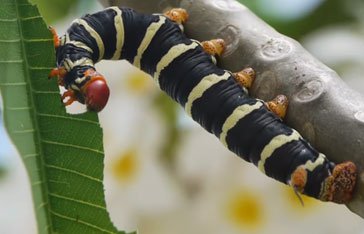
(279,105)
(56,40)
(245,77)
(214,47)
(177,15)
(299,179)
(60,73)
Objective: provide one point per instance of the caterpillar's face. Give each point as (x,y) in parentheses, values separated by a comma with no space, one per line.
(339,186)
(95,91)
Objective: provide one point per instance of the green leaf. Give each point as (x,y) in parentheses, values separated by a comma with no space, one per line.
(56,9)
(63,153)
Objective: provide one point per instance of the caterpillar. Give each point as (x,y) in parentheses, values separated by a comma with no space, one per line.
(215,98)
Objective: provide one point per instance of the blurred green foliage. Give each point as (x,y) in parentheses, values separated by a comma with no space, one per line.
(168,110)
(329,12)
(55,9)
(3,171)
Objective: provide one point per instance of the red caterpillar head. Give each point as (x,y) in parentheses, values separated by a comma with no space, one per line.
(339,186)
(95,91)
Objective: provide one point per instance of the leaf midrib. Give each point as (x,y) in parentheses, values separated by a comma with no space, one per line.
(37,135)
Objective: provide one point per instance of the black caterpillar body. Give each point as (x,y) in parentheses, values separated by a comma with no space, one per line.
(209,94)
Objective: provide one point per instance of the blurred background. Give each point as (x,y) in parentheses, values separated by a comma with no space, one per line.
(164,174)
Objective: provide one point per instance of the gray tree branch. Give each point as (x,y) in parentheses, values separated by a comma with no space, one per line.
(322,107)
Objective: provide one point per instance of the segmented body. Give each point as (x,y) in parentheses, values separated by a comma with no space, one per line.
(209,94)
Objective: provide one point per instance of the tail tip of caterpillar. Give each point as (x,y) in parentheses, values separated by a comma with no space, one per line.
(339,186)
(96,91)
(299,179)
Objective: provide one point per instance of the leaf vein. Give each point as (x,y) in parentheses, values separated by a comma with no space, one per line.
(28,156)
(45,92)
(23,131)
(80,221)
(37,183)
(37,40)
(73,172)
(72,146)
(40,68)
(42,205)
(31,18)
(12,61)
(20,108)
(68,118)
(77,201)
(10,41)
(13,84)
(8,20)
